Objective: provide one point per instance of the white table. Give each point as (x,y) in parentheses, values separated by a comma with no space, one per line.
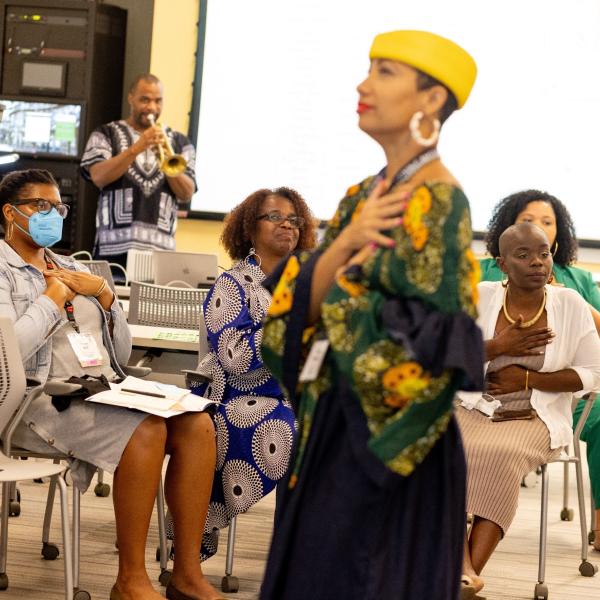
(144,336)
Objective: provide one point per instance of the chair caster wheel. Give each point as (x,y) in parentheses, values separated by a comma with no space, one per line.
(50,551)
(230,584)
(102,490)
(3,581)
(14,509)
(82,595)
(591,537)
(587,569)
(541,591)
(164,577)
(566,514)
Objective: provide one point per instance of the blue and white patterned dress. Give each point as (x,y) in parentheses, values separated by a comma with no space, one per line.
(255,423)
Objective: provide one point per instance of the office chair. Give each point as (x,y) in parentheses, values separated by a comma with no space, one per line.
(12,408)
(586,568)
(165,306)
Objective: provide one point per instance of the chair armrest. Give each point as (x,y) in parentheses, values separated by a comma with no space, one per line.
(9,430)
(60,388)
(135,371)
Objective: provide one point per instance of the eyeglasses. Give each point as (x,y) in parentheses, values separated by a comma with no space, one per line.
(276,217)
(44,206)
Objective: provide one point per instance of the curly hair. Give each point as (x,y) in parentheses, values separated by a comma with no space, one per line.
(507,210)
(240,224)
(13,184)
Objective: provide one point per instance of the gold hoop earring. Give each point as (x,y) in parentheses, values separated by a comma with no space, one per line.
(555,248)
(8,231)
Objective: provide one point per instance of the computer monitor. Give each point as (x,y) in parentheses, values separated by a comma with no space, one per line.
(40,127)
(197,270)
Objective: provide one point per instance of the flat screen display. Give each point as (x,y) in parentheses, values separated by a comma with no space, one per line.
(43,76)
(40,127)
(278,100)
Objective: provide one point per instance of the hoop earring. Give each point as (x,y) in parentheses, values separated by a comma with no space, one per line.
(415,130)
(555,248)
(551,278)
(251,253)
(8,231)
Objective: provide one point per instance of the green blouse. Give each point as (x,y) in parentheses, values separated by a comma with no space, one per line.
(572,277)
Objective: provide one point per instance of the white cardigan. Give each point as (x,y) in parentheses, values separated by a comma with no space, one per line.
(576,346)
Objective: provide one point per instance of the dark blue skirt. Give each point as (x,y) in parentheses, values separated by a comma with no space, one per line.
(352,529)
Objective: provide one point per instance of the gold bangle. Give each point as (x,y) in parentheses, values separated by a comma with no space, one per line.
(526,380)
(101,288)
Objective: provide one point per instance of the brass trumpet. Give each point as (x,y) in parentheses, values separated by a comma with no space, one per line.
(170,164)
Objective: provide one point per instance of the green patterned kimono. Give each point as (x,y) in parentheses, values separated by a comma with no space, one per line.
(407,405)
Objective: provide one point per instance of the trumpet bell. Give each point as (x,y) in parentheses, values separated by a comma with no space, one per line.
(173,165)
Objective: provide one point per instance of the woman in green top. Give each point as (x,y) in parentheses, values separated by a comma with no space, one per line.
(552,216)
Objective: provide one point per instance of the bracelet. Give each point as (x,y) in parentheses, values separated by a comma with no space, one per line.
(526,380)
(100,289)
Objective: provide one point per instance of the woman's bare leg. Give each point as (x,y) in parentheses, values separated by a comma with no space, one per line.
(485,536)
(135,485)
(467,568)
(192,446)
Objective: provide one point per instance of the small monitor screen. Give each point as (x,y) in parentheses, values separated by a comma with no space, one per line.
(35,127)
(43,76)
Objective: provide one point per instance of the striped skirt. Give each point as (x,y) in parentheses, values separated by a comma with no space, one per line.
(499,455)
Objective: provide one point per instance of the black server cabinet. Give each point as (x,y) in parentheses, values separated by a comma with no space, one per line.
(61,75)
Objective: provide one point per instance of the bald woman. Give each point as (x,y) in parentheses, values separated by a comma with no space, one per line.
(542,347)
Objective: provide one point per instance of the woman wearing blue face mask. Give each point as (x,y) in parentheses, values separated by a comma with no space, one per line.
(68,323)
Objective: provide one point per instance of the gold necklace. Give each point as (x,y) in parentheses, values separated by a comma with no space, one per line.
(524,324)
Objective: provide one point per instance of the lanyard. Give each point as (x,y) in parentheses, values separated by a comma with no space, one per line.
(68,306)
(408,170)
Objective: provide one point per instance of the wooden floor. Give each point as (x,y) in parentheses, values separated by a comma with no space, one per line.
(511,573)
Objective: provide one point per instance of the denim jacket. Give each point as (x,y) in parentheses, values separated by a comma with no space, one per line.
(36,317)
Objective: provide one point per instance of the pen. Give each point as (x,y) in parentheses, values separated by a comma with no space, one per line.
(153,394)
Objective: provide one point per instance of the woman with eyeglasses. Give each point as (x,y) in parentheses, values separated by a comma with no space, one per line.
(69,323)
(255,423)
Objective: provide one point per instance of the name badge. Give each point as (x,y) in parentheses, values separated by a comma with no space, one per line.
(315,359)
(85,348)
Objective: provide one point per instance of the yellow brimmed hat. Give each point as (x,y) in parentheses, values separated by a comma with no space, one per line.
(434,55)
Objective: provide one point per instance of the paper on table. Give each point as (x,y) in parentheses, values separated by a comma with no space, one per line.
(177,336)
(176,400)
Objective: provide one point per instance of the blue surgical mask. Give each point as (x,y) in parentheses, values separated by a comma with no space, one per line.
(44,229)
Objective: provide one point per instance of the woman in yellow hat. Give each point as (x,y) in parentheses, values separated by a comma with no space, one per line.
(371,335)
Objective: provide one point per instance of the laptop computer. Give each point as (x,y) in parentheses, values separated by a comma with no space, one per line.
(180,268)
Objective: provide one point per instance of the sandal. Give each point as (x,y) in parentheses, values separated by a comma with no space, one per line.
(467,589)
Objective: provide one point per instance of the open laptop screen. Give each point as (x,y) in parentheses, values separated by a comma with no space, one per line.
(197,270)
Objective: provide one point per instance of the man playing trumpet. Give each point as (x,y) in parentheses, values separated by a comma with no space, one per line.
(139,194)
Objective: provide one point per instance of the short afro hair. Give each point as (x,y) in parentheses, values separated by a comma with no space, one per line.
(240,224)
(507,210)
